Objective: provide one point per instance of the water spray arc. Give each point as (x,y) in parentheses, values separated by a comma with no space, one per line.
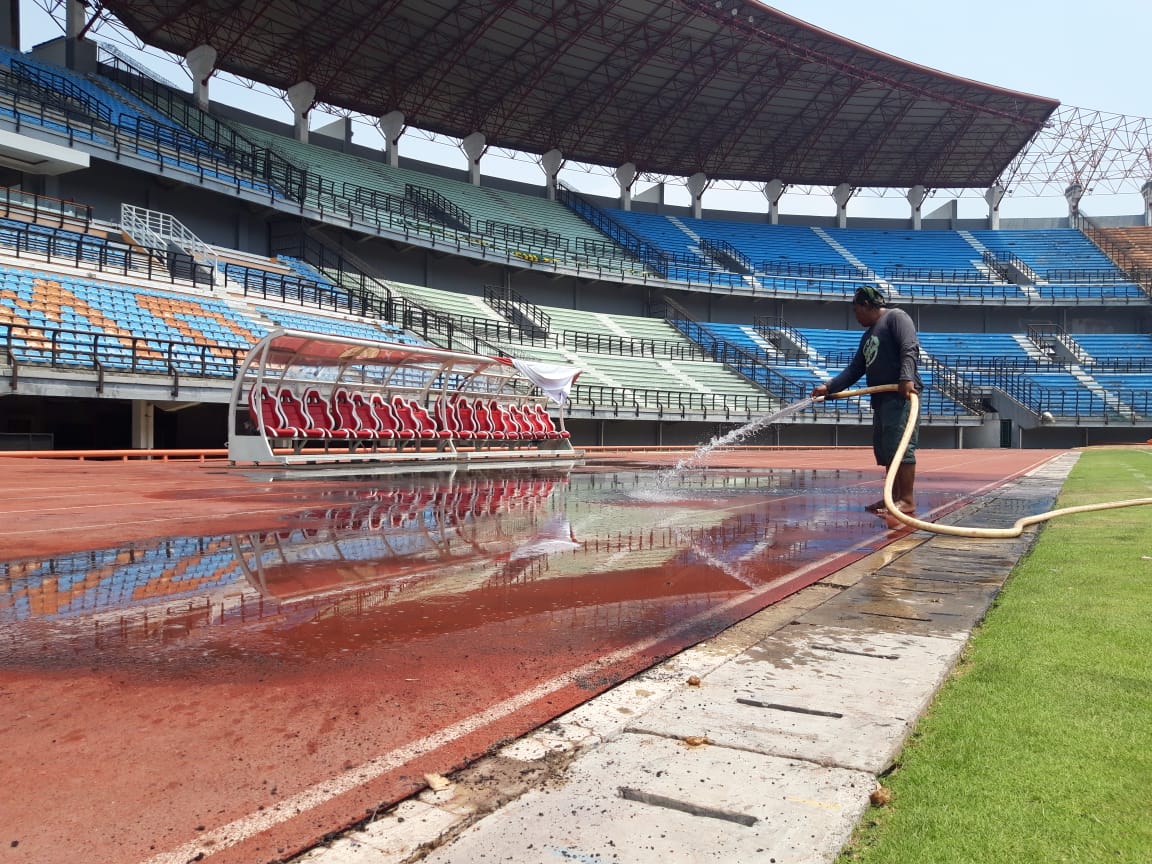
(734,436)
(958,530)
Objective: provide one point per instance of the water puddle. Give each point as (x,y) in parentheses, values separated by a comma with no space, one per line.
(392,561)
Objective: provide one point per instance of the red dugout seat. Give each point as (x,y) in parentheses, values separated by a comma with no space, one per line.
(346,417)
(391,426)
(264,409)
(424,421)
(316,407)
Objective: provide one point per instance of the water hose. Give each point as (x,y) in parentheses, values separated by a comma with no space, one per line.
(958,530)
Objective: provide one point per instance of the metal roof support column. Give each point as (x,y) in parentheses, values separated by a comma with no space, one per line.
(474,146)
(551,162)
(301,97)
(773,190)
(697,183)
(392,126)
(916,196)
(994,196)
(625,175)
(1146,191)
(842,194)
(201,62)
(1072,195)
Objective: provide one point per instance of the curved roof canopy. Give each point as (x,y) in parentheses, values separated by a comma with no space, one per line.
(730,88)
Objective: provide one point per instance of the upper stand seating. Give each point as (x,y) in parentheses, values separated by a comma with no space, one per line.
(687,261)
(529,228)
(101,111)
(1067,265)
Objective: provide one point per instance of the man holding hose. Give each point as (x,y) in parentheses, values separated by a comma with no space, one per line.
(888,354)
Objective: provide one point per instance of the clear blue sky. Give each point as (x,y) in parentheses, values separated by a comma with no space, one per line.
(1089,55)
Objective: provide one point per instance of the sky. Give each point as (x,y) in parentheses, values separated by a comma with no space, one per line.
(1088,55)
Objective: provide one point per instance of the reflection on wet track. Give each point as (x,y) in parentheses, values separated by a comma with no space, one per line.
(469,549)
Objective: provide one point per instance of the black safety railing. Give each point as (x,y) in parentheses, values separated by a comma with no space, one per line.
(622,346)
(781,335)
(603,400)
(652,258)
(246,158)
(810,270)
(44,209)
(1009,266)
(452,215)
(900,273)
(727,255)
(124,353)
(41,244)
(63,89)
(752,367)
(292,289)
(517,310)
(1093,275)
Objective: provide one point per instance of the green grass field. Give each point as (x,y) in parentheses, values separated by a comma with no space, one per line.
(1039,747)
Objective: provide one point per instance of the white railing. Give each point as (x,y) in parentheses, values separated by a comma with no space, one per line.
(154,230)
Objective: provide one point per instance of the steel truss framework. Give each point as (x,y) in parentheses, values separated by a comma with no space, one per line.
(1102,152)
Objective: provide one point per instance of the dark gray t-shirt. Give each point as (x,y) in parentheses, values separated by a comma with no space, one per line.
(888,354)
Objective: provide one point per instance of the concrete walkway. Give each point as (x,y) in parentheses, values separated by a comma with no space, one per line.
(763,744)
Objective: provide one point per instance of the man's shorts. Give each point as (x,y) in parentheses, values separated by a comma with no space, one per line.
(889,417)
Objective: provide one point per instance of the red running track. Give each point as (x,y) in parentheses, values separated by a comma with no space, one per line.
(195,663)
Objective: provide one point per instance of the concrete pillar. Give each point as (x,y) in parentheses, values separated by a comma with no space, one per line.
(551,162)
(625,175)
(10,24)
(1072,195)
(73,19)
(773,190)
(143,425)
(916,196)
(201,62)
(994,195)
(697,183)
(73,27)
(301,97)
(339,129)
(842,194)
(1146,191)
(474,146)
(392,126)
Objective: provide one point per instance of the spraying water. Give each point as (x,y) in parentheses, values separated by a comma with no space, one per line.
(667,478)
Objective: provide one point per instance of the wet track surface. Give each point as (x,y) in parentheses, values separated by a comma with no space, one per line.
(248,691)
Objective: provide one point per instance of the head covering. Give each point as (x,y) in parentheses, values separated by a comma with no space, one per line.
(869,295)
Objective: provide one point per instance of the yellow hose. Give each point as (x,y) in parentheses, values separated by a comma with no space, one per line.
(958,530)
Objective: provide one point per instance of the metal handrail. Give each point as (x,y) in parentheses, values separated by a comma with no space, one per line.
(161,230)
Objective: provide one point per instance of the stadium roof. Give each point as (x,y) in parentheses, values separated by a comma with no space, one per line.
(730,88)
